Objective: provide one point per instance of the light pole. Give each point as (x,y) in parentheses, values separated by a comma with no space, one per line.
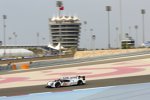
(118,37)
(86,38)
(9,38)
(4,26)
(143,13)
(43,39)
(91,31)
(108,9)
(136,34)
(130,30)
(121,24)
(37,34)
(93,39)
(15,38)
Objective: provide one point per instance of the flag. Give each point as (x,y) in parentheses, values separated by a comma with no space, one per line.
(61,8)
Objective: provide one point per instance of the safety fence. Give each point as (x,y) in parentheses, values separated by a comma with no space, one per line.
(62,61)
(14,67)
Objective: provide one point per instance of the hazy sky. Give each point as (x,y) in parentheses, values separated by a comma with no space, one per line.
(27,17)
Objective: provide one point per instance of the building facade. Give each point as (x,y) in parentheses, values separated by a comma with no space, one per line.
(128,42)
(65,30)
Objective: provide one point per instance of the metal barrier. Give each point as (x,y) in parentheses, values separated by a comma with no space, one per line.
(4,68)
(63,61)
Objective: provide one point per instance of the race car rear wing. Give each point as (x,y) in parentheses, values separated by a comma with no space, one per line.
(79,77)
(83,77)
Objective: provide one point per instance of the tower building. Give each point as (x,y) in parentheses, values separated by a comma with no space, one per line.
(65,30)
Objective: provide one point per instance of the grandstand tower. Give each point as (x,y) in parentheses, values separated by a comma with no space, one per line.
(65,30)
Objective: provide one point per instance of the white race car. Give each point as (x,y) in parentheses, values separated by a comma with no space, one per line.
(67,81)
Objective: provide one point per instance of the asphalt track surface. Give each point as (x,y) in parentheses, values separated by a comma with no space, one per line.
(90,84)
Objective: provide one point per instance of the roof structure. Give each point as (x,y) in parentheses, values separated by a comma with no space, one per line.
(15,52)
(65,18)
(58,47)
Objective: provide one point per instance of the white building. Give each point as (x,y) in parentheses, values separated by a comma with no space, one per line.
(65,29)
(15,53)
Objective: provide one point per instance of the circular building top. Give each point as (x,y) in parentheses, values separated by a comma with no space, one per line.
(65,18)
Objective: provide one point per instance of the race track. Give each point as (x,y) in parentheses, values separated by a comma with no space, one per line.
(109,74)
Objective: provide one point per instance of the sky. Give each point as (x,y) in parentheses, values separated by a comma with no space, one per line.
(28,17)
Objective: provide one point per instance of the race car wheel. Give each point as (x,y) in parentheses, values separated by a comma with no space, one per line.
(80,83)
(57,85)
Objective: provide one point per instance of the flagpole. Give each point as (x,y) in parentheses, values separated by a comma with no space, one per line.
(59,12)
(59,5)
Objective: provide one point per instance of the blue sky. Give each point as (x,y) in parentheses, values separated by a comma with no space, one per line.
(27,17)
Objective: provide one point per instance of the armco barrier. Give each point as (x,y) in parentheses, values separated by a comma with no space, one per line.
(13,67)
(8,67)
(3,68)
(25,66)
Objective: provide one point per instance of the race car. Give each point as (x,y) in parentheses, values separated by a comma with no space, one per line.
(67,81)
